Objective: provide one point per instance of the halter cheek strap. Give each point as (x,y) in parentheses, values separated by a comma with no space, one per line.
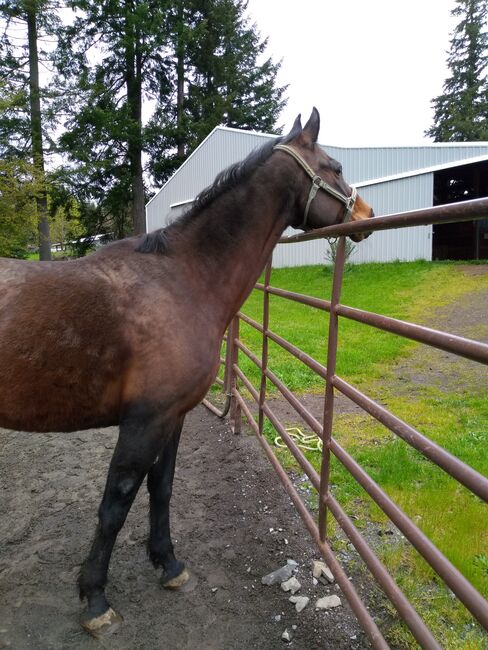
(319,184)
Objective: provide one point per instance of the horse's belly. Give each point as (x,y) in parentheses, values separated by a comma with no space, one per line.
(58,401)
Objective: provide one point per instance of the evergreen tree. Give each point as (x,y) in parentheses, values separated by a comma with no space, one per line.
(109,60)
(21,120)
(214,67)
(461,112)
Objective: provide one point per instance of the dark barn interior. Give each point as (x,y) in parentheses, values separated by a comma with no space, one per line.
(467,240)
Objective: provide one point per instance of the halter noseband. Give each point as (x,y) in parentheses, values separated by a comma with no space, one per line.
(319,184)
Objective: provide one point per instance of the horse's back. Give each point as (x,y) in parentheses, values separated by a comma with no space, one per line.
(60,344)
(82,340)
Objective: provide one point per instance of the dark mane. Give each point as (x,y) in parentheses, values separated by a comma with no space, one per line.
(158,241)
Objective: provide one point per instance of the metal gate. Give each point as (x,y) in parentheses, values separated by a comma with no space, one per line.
(328,505)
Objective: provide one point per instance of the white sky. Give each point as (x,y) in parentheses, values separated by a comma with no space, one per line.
(371,67)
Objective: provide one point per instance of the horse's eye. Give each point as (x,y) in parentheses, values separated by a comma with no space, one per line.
(339,170)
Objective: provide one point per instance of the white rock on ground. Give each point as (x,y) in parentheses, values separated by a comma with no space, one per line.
(327,602)
(321,570)
(300,602)
(287,636)
(278,576)
(291,585)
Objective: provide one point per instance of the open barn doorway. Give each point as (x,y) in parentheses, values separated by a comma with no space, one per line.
(467,240)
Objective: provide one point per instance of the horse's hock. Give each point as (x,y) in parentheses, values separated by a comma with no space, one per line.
(235,382)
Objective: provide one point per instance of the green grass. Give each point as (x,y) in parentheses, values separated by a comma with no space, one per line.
(408,291)
(445,511)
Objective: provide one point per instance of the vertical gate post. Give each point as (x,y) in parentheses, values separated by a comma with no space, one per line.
(329,389)
(264,357)
(235,409)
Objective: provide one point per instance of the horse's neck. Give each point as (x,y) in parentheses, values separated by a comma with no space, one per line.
(232,241)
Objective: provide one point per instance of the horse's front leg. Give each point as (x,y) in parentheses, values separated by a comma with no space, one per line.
(140,441)
(160,486)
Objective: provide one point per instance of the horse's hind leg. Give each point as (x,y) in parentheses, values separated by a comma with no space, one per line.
(160,486)
(140,440)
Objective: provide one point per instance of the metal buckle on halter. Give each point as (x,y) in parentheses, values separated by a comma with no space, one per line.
(350,205)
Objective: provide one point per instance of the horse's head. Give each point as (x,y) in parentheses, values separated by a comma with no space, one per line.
(324,197)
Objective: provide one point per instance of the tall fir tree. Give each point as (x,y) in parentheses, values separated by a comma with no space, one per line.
(461,112)
(220,79)
(25,23)
(192,63)
(108,61)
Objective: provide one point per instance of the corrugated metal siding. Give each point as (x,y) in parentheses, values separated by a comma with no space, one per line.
(365,164)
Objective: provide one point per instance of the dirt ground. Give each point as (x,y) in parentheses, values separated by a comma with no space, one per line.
(231,519)
(232,523)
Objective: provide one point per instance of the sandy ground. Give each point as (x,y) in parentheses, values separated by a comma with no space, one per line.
(226,501)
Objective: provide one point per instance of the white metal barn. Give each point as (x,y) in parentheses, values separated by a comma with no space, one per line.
(390,179)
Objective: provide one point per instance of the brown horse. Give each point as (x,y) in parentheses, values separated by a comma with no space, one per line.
(131,335)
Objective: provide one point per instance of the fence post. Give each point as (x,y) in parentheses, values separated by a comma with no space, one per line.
(264,357)
(235,409)
(329,388)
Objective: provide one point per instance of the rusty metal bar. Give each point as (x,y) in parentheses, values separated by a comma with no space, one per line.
(416,625)
(264,346)
(249,354)
(463,473)
(463,211)
(250,321)
(292,349)
(448,342)
(221,413)
(312,422)
(317,303)
(245,409)
(329,387)
(247,383)
(235,411)
(454,579)
(298,455)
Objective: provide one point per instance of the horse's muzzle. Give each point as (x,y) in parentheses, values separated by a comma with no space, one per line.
(360,236)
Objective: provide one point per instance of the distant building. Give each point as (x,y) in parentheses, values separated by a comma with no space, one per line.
(390,179)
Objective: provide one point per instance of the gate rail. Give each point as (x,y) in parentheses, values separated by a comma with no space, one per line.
(460,471)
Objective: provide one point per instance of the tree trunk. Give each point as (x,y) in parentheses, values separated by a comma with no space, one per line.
(180,96)
(180,84)
(134,101)
(36,134)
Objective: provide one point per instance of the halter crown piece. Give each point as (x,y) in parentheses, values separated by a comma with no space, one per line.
(319,184)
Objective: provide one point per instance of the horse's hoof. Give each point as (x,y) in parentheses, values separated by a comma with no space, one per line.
(102,625)
(176,582)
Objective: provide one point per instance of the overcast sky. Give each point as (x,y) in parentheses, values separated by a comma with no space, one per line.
(371,67)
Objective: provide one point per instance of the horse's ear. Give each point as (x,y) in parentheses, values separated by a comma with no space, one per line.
(296,129)
(311,130)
